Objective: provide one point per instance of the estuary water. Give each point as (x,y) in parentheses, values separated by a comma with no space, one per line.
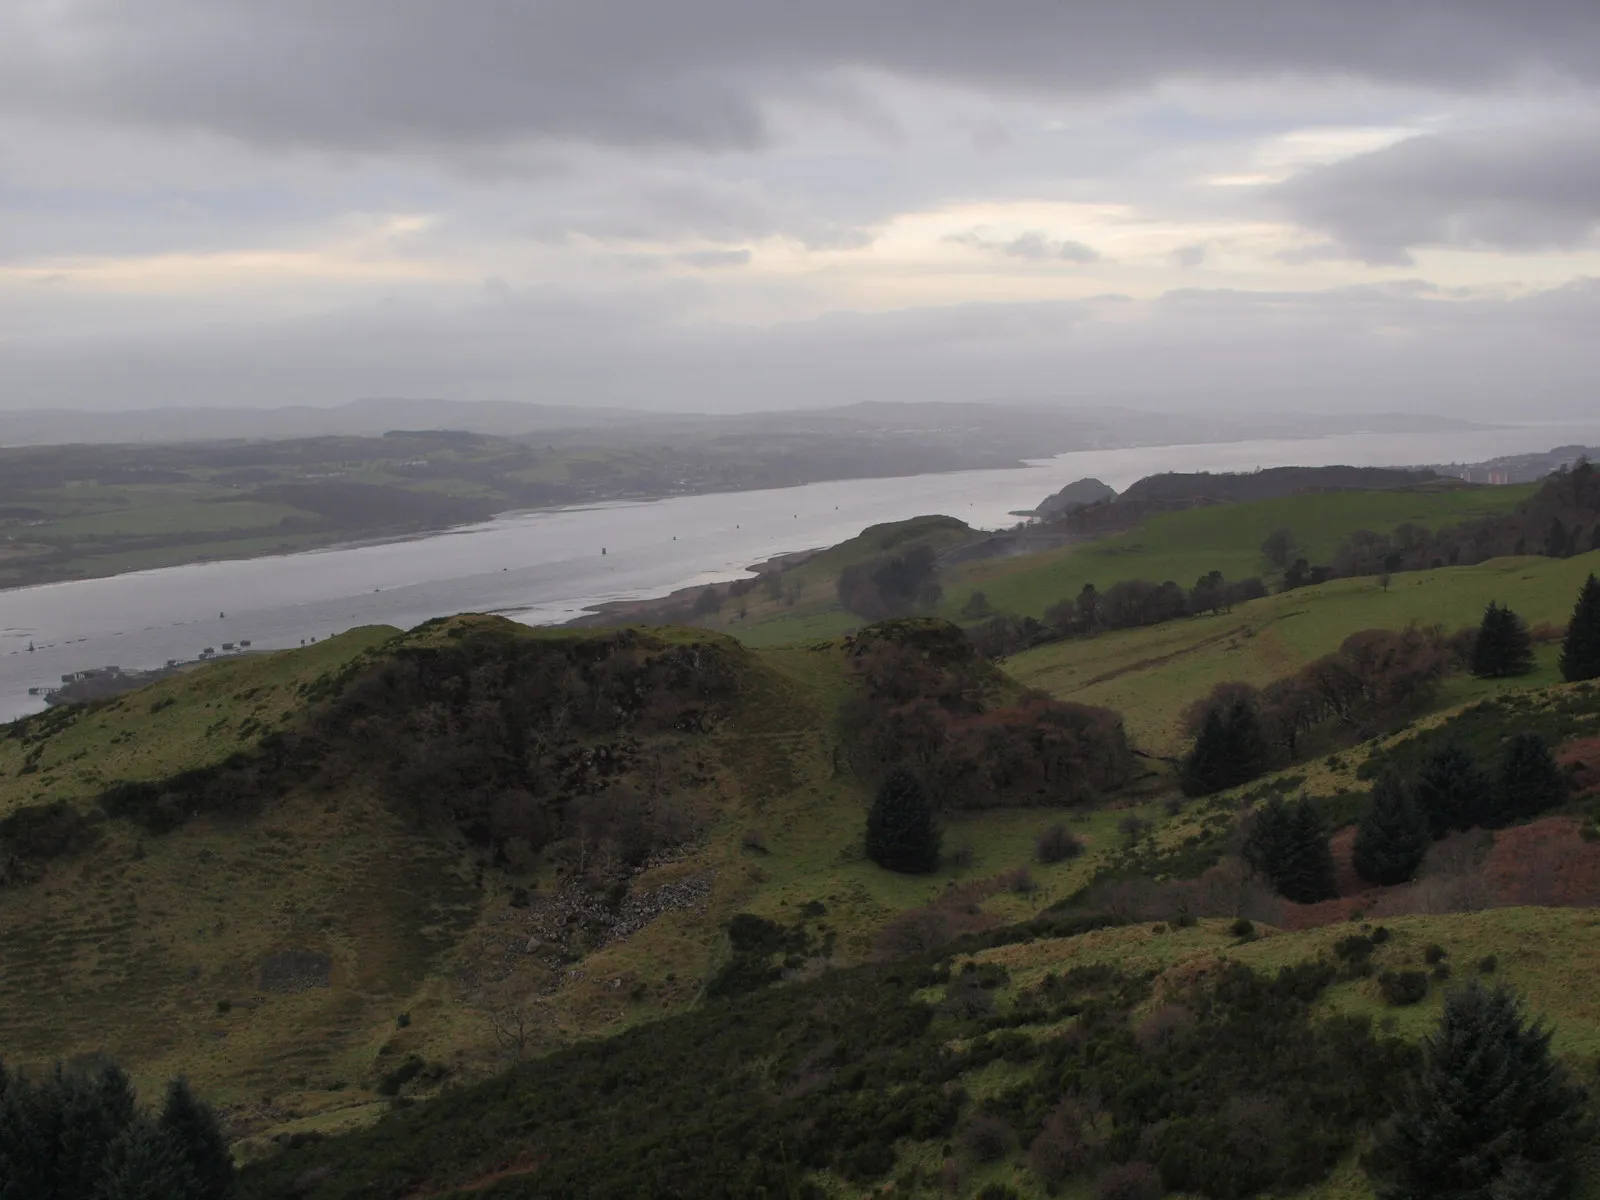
(548,566)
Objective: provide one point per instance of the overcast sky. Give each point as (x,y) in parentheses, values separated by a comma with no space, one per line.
(740,204)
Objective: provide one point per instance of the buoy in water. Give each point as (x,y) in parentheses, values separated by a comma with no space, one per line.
(602,551)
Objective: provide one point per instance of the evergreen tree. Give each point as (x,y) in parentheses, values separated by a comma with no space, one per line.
(1490,1115)
(1580,652)
(1531,781)
(1453,792)
(192,1126)
(145,1163)
(901,832)
(81,1136)
(1289,848)
(1230,749)
(1503,647)
(1393,835)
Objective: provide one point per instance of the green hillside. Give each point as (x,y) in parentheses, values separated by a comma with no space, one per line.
(289,947)
(924,1075)
(1185,545)
(1150,675)
(1180,546)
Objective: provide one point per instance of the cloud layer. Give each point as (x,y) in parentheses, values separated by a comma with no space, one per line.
(742,203)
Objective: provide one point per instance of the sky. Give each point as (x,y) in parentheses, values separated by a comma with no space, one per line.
(724,205)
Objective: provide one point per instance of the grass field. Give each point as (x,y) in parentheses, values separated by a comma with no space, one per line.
(1180,546)
(1150,675)
(1184,546)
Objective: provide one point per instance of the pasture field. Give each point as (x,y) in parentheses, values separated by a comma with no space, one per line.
(1150,675)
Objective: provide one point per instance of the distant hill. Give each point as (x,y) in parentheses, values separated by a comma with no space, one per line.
(359,418)
(1270,484)
(1074,496)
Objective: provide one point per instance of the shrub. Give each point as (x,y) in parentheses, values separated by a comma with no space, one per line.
(1401,988)
(1487,964)
(1243,927)
(1129,1181)
(1057,844)
(1020,881)
(987,1138)
(1435,954)
(1059,1151)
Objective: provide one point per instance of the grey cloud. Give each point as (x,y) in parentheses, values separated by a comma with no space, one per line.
(1190,256)
(630,205)
(437,77)
(1032,246)
(1504,189)
(1404,347)
(712,259)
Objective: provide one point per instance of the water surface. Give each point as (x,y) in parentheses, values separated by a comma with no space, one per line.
(548,566)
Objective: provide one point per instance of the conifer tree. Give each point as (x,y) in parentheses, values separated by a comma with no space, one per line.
(1230,749)
(1393,835)
(1503,647)
(901,832)
(1580,652)
(1531,781)
(192,1126)
(1490,1115)
(145,1163)
(1453,792)
(1289,848)
(78,1135)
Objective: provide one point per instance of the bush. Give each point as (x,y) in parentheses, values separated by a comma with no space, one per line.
(1487,964)
(1401,988)
(1059,1151)
(1244,927)
(987,1138)
(1435,954)
(1129,1181)
(1057,844)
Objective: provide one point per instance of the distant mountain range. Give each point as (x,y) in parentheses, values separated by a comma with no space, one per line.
(1028,428)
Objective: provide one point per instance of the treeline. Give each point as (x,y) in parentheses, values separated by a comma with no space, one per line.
(892,586)
(930,705)
(81,1135)
(1559,520)
(1130,604)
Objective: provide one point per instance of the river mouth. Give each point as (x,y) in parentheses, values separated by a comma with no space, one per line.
(551,566)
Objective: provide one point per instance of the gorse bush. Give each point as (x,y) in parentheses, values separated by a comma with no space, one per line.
(1057,844)
(82,1136)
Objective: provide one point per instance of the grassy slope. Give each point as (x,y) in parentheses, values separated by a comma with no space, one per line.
(136,948)
(1550,956)
(1180,546)
(1183,546)
(1150,675)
